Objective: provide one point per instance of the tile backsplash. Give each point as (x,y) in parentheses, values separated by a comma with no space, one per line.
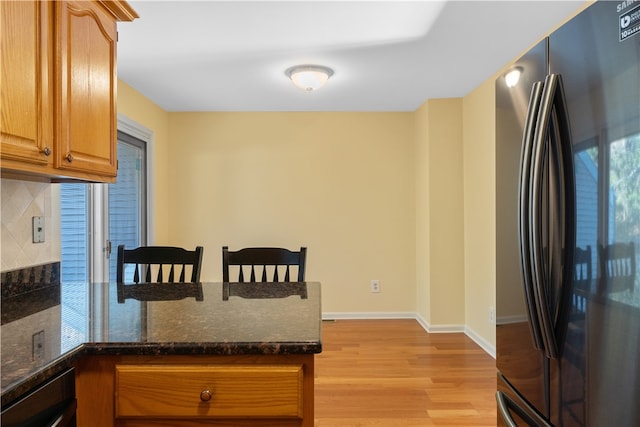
(20,202)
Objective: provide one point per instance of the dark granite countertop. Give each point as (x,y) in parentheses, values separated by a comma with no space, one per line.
(44,330)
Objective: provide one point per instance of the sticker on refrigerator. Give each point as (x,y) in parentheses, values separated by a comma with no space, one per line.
(629,23)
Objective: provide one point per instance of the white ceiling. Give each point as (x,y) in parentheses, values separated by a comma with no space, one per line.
(386,55)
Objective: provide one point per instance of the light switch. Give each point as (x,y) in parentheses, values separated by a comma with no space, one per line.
(38,229)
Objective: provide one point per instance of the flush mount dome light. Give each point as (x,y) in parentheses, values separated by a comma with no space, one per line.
(309,77)
(512,77)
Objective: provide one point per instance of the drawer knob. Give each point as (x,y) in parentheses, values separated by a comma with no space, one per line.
(69,158)
(205,395)
(46,151)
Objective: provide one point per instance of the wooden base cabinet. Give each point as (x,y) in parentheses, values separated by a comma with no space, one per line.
(178,391)
(58,97)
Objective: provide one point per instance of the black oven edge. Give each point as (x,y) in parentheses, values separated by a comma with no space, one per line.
(52,403)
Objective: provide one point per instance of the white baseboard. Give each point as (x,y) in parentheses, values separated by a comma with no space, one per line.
(438,329)
(368,315)
(484,344)
(432,329)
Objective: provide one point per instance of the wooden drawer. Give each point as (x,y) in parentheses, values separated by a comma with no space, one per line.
(168,391)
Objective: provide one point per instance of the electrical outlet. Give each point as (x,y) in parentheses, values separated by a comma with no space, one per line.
(492,314)
(38,229)
(375,286)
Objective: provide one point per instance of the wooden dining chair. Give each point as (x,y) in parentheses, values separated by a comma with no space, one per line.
(582,277)
(266,263)
(582,273)
(154,263)
(617,267)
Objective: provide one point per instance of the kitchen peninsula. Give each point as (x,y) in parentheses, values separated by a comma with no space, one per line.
(171,354)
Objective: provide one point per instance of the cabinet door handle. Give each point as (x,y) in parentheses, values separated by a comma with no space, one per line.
(69,158)
(46,151)
(205,395)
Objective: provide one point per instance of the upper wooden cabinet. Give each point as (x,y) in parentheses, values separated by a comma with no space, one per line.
(59,117)
(26,84)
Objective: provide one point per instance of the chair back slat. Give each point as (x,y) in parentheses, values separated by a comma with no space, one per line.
(582,260)
(149,258)
(263,258)
(136,275)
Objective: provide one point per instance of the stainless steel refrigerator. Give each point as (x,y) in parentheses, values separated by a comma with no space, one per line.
(568,225)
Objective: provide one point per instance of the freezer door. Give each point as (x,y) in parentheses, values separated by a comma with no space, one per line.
(598,56)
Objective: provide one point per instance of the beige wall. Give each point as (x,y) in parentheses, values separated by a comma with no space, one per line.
(144,112)
(446,213)
(479,213)
(439,214)
(372,195)
(341,184)
(423,236)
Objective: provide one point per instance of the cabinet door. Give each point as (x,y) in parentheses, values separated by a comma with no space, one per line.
(86,63)
(25,84)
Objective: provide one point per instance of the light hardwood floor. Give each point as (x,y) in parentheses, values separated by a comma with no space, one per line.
(392,373)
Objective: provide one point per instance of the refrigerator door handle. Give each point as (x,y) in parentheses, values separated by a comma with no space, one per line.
(503,409)
(552,117)
(506,405)
(525,214)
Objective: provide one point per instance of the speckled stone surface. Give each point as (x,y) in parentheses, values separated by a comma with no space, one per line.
(70,320)
(25,280)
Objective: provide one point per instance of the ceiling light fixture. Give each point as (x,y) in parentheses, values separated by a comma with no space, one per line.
(512,77)
(309,77)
